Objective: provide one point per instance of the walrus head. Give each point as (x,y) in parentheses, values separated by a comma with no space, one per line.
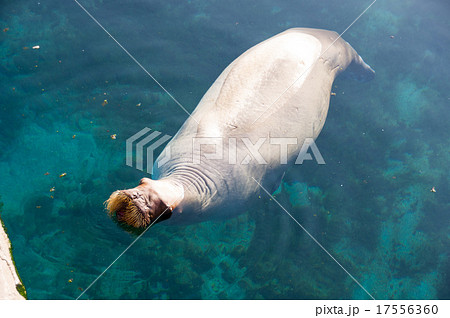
(140,206)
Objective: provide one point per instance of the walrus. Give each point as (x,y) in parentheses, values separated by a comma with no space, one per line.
(245,132)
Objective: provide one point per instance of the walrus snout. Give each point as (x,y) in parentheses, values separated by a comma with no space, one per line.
(137,207)
(129,208)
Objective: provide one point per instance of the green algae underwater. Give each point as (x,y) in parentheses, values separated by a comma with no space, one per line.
(385,143)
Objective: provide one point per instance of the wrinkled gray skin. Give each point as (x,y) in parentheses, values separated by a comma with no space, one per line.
(249,89)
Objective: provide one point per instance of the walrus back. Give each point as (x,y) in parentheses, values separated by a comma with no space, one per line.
(249,84)
(348,62)
(265,78)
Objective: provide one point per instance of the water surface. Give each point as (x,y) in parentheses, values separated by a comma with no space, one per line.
(386,144)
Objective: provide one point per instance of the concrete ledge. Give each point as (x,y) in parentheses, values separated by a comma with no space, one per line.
(10,283)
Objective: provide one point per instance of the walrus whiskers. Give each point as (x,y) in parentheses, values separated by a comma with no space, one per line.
(121,206)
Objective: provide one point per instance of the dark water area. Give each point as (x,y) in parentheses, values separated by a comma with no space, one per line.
(385,143)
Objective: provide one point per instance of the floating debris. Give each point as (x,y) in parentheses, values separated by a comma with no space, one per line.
(113,136)
(73,137)
(36,47)
(38,206)
(46,174)
(5,29)
(433,189)
(63,175)
(105,102)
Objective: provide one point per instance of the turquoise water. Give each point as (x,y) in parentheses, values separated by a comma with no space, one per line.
(386,144)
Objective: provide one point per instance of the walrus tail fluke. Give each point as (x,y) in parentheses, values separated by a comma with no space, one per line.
(358,69)
(122,207)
